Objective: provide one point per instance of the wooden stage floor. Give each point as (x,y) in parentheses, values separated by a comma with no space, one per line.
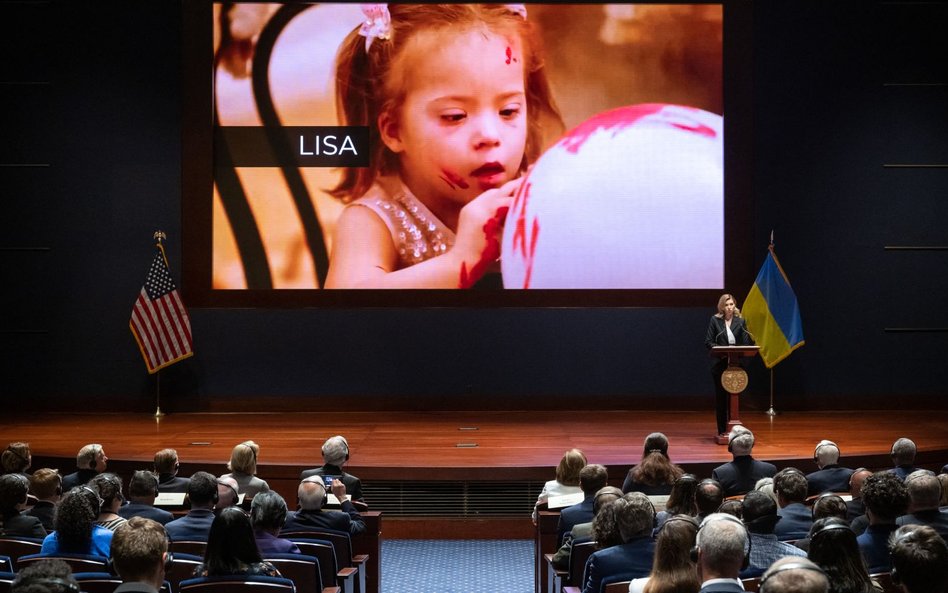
(473,445)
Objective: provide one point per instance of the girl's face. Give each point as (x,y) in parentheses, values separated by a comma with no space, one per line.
(463,126)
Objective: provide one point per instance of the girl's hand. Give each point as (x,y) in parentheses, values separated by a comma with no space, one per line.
(480,230)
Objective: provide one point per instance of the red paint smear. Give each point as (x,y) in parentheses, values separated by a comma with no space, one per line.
(453,179)
(443,178)
(520,232)
(491,250)
(509,53)
(623,117)
(533,250)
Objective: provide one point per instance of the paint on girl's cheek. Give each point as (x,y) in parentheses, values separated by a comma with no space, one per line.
(509,54)
(453,179)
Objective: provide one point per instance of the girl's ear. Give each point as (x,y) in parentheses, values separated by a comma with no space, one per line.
(389,131)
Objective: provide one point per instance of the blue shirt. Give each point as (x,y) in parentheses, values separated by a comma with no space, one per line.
(99,546)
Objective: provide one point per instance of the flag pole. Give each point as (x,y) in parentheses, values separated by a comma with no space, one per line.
(770,411)
(159,236)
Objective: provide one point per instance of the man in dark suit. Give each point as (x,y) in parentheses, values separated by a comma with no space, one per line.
(139,551)
(313,517)
(13,490)
(591,479)
(90,462)
(721,548)
(335,454)
(142,491)
(795,517)
(886,499)
(831,477)
(196,525)
(708,497)
(855,507)
(740,475)
(47,486)
(794,575)
(924,491)
(166,466)
(903,457)
(632,559)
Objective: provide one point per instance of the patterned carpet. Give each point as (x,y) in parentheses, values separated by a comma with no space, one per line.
(457,566)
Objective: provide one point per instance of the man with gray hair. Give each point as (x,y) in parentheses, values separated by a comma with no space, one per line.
(90,462)
(268,514)
(313,517)
(739,475)
(635,517)
(794,575)
(335,454)
(721,549)
(831,477)
(142,491)
(924,491)
(903,457)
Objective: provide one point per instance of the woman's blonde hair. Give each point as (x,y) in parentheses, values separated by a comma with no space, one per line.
(372,82)
(243,458)
(567,472)
(724,298)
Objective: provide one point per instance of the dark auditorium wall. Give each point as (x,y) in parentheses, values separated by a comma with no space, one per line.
(848,100)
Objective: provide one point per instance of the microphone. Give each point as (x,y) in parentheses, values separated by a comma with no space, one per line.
(746,331)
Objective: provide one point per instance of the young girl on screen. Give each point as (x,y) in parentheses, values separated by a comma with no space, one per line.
(453,96)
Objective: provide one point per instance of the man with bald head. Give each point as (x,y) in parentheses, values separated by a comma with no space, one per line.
(924,491)
(794,575)
(831,477)
(855,507)
(313,517)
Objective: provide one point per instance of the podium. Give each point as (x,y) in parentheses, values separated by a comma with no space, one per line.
(734,381)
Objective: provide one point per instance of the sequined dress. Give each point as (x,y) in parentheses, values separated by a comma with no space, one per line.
(417,234)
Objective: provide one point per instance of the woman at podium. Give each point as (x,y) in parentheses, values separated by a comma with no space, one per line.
(727,328)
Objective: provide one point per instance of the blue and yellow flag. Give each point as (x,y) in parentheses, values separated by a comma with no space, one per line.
(772,313)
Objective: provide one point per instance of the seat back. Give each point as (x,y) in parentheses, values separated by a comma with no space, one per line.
(578,555)
(97,582)
(303,570)
(194,547)
(14,547)
(885,581)
(6,582)
(237,584)
(6,564)
(621,587)
(77,562)
(325,556)
(182,568)
(751,585)
(340,540)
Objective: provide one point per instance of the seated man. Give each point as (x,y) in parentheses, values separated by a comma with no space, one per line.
(196,525)
(592,478)
(855,506)
(227,493)
(795,517)
(583,532)
(313,517)
(759,512)
(794,575)
(335,454)
(142,491)
(919,559)
(924,492)
(166,466)
(831,476)
(47,486)
(721,550)
(90,462)
(632,559)
(48,576)
(139,553)
(13,491)
(903,457)
(886,499)
(825,507)
(708,498)
(739,475)
(268,515)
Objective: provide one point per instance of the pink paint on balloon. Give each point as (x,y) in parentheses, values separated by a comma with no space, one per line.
(617,120)
(491,251)
(520,236)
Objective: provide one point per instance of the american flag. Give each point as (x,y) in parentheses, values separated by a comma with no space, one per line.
(159,320)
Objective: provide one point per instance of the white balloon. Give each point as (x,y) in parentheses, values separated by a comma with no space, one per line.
(631,198)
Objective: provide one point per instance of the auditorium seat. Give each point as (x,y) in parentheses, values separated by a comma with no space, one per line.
(885,580)
(578,555)
(193,547)
(751,585)
(328,566)
(181,568)
(237,584)
(14,547)
(302,570)
(6,564)
(545,543)
(555,576)
(620,587)
(77,562)
(6,581)
(342,544)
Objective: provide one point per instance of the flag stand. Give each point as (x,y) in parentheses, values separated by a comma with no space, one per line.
(158,412)
(770,411)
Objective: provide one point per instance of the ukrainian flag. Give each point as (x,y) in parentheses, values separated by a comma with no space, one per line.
(772,313)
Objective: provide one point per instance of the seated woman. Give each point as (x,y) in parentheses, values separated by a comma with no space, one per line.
(681,500)
(243,467)
(673,570)
(13,492)
(833,548)
(109,487)
(567,478)
(16,459)
(76,531)
(232,549)
(655,473)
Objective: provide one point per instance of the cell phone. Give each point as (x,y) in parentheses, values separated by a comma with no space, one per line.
(327,480)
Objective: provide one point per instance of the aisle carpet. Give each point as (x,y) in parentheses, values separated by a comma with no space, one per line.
(457,566)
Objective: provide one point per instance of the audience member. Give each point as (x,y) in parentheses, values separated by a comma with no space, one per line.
(142,491)
(166,466)
(673,570)
(732,507)
(794,575)
(903,457)
(76,531)
(16,459)
(721,550)
(139,554)
(919,560)
(766,485)
(886,499)
(109,487)
(635,516)
(202,492)
(924,492)
(566,482)
(831,477)
(655,474)
(90,461)
(227,495)
(708,497)
(335,453)
(795,517)
(13,491)
(243,468)
(943,480)
(826,506)
(267,515)
(833,547)
(855,506)
(313,517)
(605,526)
(681,500)
(47,486)
(45,576)
(739,475)
(759,513)
(232,549)
(583,532)
(591,479)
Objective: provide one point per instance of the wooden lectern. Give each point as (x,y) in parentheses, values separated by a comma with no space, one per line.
(734,381)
